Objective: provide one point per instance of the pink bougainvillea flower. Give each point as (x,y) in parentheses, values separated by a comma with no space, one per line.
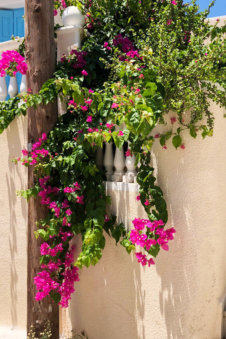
(173,2)
(151,262)
(44,137)
(114,105)
(84,108)
(106,45)
(80,200)
(128,153)
(106,218)
(65,204)
(76,185)
(169,22)
(91,91)
(137,90)
(84,73)
(68,212)
(138,197)
(141,76)
(89,101)
(157,135)
(147,203)
(72,103)
(173,120)
(164,147)
(182,146)
(89,118)
(25,152)
(120,133)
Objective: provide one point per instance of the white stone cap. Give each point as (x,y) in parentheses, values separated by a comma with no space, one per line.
(67,29)
(121,186)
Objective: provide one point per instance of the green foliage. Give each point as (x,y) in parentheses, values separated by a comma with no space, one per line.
(9,110)
(174,70)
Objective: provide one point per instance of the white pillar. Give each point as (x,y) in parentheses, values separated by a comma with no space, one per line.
(13,88)
(130,176)
(119,164)
(23,85)
(69,38)
(3,89)
(108,160)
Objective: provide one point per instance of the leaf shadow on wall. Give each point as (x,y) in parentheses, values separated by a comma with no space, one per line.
(176,268)
(109,300)
(16,179)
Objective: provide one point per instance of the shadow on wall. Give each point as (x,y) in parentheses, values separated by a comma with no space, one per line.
(108,299)
(14,173)
(193,275)
(183,295)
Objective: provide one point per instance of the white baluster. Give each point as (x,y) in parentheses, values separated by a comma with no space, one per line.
(62,107)
(119,164)
(13,88)
(108,160)
(23,85)
(3,89)
(130,176)
(99,157)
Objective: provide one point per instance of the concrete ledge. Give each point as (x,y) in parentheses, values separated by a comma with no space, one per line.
(121,186)
(12,333)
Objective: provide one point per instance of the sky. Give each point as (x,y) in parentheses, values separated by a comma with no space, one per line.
(218,9)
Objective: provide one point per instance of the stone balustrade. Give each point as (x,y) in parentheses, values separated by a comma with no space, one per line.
(118,167)
(11,86)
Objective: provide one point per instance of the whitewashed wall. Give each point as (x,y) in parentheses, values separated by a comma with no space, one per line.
(182,296)
(13,233)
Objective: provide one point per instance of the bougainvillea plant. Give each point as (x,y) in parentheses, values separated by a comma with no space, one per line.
(11,63)
(139,61)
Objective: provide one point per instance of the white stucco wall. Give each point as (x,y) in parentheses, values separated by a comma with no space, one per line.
(182,296)
(13,233)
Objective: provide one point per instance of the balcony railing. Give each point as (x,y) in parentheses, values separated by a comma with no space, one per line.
(11,86)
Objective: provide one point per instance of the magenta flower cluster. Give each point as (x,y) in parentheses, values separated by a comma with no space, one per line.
(148,234)
(12,62)
(59,260)
(47,280)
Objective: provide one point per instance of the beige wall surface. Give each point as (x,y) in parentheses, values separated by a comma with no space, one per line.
(182,296)
(13,232)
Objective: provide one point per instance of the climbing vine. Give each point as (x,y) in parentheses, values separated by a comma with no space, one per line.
(139,61)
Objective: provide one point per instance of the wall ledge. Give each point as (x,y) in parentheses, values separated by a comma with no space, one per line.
(12,333)
(121,186)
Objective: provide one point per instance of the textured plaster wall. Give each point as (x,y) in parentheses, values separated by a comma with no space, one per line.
(182,296)
(13,232)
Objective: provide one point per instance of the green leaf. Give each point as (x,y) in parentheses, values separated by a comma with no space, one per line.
(193,131)
(177,141)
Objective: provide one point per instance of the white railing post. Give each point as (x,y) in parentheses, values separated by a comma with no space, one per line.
(13,88)
(23,84)
(69,38)
(130,176)
(108,160)
(119,164)
(3,89)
